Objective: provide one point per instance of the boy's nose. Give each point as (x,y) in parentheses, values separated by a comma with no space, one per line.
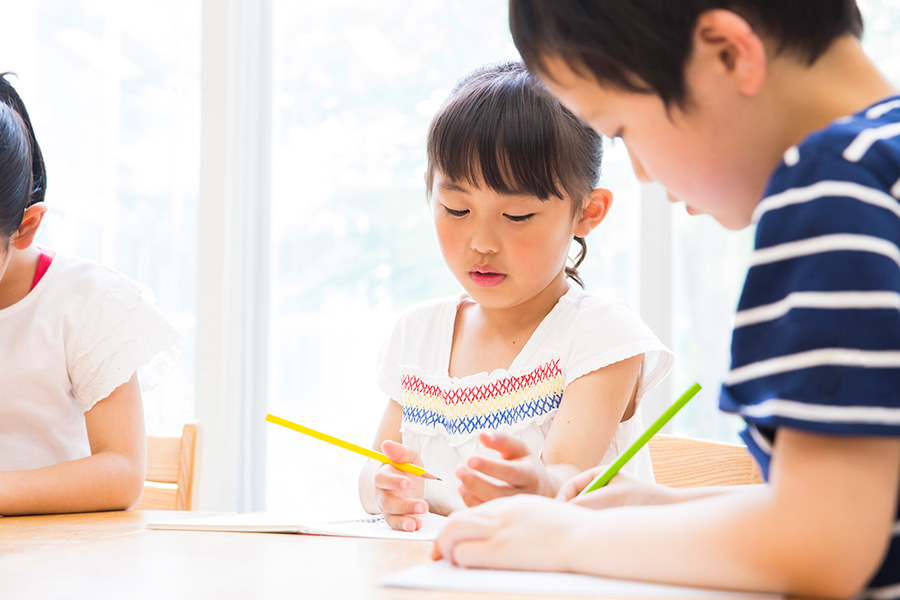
(638,168)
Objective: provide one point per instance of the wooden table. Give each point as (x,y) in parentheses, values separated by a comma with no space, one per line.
(111,555)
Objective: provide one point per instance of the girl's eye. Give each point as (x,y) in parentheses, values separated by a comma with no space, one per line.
(455,213)
(519,218)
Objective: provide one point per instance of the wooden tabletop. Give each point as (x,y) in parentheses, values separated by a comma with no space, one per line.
(112,555)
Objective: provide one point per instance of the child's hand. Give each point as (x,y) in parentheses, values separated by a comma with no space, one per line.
(400,496)
(622,490)
(522,472)
(505,533)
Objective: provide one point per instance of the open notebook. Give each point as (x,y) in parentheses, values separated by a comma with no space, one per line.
(442,575)
(354,525)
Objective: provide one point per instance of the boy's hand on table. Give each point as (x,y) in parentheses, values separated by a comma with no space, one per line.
(523,532)
(400,495)
(628,490)
(519,472)
(622,490)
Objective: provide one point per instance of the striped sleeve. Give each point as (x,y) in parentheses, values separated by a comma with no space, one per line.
(816,342)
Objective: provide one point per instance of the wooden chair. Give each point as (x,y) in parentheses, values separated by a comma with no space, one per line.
(689,462)
(170,472)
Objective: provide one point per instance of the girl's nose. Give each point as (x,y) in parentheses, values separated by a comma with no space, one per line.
(484,240)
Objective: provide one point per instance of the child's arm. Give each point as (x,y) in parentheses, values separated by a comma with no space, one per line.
(384,489)
(112,478)
(627,490)
(820,528)
(591,409)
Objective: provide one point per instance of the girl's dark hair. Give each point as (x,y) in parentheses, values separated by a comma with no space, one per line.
(23,178)
(643,45)
(501,128)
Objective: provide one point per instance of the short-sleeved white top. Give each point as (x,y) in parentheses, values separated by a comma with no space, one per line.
(83,331)
(442,415)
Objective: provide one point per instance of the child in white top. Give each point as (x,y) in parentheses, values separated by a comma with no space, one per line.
(525,379)
(77,344)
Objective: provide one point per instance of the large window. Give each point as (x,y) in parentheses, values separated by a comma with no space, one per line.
(113,90)
(352,239)
(326,143)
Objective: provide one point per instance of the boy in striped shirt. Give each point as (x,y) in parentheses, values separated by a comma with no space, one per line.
(766,113)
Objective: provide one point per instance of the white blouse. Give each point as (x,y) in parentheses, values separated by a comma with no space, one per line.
(83,331)
(442,415)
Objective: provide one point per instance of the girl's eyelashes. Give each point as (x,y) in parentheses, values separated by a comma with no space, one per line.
(519,218)
(455,213)
(463,212)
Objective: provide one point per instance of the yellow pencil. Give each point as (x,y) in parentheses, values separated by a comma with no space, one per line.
(407,467)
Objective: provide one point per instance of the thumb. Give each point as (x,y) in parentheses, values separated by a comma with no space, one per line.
(510,448)
(398,452)
(571,488)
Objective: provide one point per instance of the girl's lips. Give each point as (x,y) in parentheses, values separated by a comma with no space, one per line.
(486,279)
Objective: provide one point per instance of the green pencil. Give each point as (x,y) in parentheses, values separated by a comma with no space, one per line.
(664,418)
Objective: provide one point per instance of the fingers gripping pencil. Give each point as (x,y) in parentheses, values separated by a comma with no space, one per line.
(406,467)
(664,418)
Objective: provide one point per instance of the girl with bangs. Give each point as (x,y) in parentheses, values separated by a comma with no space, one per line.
(524,379)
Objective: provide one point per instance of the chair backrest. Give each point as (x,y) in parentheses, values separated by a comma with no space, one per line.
(689,462)
(170,471)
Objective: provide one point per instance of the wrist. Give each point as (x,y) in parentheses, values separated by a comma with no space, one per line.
(554,478)
(575,539)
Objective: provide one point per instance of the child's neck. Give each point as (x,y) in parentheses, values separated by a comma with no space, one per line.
(485,339)
(16,281)
(526,316)
(841,82)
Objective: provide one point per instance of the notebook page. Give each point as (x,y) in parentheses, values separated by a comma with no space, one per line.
(352,525)
(442,575)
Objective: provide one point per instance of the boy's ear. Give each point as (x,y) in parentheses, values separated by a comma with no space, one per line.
(724,41)
(594,212)
(24,236)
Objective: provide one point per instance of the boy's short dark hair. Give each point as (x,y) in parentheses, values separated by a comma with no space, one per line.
(643,45)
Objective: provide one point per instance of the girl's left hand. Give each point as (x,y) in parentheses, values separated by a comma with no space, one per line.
(505,534)
(520,471)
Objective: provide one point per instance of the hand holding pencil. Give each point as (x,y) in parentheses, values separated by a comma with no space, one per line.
(578,488)
(399,486)
(399,495)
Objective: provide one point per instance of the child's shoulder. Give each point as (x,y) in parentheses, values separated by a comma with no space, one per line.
(76,288)
(862,145)
(843,134)
(585,314)
(848,167)
(583,304)
(72,272)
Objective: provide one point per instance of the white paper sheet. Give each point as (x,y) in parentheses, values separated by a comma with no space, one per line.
(442,575)
(354,525)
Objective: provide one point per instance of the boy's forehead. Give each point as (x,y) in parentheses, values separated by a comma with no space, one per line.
(580,93)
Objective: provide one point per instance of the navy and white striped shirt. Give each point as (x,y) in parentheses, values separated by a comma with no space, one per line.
(816,341)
